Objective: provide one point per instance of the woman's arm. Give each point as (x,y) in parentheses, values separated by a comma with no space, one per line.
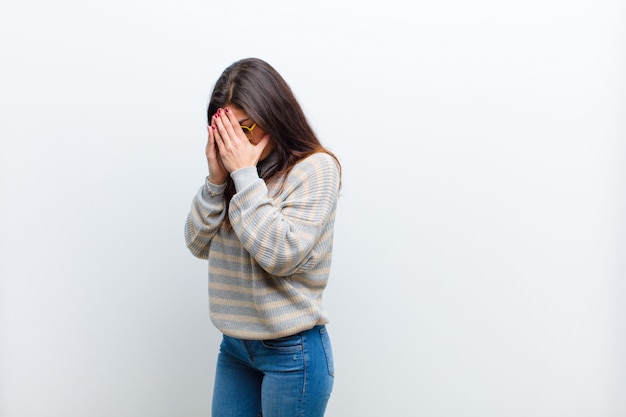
(291,232)
(204,219)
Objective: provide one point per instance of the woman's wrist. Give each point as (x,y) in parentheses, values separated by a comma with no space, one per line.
(216,181)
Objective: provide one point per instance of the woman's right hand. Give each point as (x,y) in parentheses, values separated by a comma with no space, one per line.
(217,173)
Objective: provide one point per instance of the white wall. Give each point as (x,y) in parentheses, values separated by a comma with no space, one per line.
(479,266)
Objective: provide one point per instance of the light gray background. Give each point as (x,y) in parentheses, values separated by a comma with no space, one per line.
(479,266)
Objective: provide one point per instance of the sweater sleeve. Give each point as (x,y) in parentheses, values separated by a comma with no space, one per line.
(204,219)
(291,232)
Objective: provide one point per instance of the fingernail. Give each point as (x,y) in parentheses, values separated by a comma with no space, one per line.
(227,109)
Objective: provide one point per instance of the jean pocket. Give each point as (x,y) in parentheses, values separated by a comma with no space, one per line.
(328,351)
(284,344)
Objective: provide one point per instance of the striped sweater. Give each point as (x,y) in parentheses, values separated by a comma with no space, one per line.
(267,275)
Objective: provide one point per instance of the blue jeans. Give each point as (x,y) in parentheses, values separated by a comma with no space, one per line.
(287,377)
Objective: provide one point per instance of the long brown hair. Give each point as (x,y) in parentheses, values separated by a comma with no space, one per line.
(258,89)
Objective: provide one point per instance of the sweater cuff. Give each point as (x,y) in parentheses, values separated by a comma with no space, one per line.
(214,190)
(244,177)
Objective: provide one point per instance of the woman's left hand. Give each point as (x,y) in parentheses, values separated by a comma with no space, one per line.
(236,151)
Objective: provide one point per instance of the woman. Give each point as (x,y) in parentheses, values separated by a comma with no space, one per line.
(264,220)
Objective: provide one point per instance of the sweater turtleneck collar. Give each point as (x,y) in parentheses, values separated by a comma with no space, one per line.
(266,165)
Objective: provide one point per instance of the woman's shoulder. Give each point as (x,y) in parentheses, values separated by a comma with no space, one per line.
(318,161)
(319,169)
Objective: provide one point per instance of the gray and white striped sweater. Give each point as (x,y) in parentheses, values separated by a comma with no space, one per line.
(267,275)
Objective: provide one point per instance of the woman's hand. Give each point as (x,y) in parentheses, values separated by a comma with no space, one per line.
(234,148)
(217,172)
